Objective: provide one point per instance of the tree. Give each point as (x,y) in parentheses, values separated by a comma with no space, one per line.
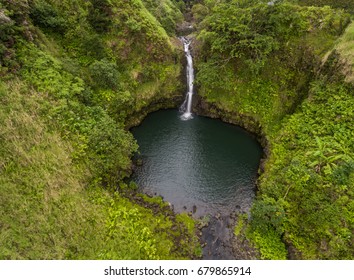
(99,16)
(105,74)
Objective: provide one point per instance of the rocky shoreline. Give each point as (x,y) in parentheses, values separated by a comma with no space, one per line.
(217,234)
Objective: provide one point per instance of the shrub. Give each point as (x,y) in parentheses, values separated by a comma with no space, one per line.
(99,15)
(44,15)
(105,74)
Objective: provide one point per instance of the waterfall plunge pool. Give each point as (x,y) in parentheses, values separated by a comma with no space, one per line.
(202,165)
(199,165)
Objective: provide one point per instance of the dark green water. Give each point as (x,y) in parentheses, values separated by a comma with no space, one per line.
(201,165)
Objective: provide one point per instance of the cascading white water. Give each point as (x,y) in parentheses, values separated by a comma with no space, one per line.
(186,107)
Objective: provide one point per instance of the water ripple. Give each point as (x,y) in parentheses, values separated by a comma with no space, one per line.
(203,162)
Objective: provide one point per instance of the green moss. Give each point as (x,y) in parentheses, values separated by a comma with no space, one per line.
(240,225)
(157,200)
(190,224)
(188,221)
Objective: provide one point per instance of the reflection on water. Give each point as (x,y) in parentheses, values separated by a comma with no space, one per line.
(201,162)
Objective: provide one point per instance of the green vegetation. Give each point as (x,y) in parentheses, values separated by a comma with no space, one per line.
(344,4)
(312,201)
(263,49)
(72,72)
(241,223)
(166,12)
(75,74)
(345,47)
(267,62)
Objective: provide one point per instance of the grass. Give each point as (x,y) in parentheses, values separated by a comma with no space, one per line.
(345,47)
(63,148)
(48,211)
(42,195)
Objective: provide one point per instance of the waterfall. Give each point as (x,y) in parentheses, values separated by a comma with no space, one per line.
(186,107)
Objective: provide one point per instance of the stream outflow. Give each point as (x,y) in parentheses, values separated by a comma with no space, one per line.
(202,166)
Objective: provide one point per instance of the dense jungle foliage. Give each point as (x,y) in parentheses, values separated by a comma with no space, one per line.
(71,72)
(74,74)
(344,4)
(268,61)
